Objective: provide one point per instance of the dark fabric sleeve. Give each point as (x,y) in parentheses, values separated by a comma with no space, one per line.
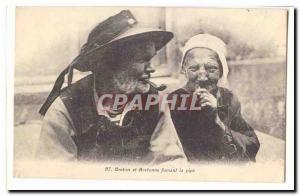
(56,141)
(243,135)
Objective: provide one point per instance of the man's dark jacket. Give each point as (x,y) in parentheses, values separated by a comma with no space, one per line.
(73,129)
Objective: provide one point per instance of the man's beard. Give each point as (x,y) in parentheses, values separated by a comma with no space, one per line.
(130,86)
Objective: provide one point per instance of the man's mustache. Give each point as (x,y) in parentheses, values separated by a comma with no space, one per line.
(145,76)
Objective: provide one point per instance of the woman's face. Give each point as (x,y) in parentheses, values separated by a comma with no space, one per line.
(202,68)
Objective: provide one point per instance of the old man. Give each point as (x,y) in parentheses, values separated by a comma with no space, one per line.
(80,121)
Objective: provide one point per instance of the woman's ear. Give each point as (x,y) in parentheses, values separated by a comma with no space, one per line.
(183,70)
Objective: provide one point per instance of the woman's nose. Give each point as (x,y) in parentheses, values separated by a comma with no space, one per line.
(202,74)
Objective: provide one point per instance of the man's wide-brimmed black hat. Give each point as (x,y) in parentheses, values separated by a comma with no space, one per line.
(116,31)
(95,49)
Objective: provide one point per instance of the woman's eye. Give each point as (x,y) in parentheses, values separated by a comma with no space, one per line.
(212,69)
(193,68)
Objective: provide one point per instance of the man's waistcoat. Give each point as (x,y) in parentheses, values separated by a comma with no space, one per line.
(98,138)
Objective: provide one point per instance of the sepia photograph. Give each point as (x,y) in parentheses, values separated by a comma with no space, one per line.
(150,93)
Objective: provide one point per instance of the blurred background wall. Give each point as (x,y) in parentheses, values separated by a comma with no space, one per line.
(48,38)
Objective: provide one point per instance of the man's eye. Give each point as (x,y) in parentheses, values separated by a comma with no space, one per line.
(141,61)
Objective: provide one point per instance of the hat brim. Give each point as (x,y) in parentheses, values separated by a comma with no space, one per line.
(158,37)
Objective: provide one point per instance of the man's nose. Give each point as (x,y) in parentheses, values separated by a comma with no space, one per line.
(149,68)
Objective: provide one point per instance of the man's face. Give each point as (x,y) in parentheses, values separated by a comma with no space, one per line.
(202,68)
(134,68)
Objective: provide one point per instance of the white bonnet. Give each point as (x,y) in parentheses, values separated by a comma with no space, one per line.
(213,43)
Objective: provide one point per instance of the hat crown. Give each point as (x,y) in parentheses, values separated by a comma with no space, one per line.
(109,29)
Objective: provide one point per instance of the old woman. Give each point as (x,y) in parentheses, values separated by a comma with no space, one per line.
(216,130)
